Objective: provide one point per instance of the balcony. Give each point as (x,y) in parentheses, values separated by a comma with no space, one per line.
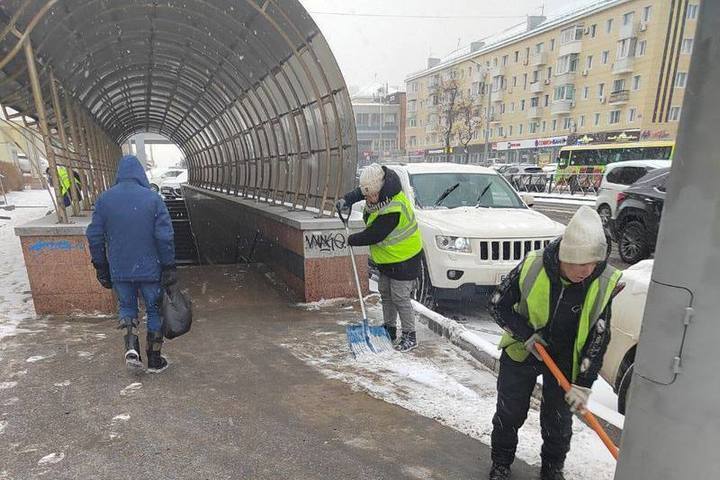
(497,71)
(623,65)
(621,97)
(497,95)
(539,59)
(565,78)
(628,31)
(537,87)
(561,107)
(535,112)
(574,46)
(493,118)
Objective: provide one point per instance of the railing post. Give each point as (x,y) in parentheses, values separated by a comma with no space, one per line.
(63,139)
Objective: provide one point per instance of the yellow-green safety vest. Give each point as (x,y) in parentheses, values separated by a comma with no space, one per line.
(534,305)
(64,179)
(405,241)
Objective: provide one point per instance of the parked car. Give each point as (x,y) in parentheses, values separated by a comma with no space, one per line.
(158,177)
(627,314)
(550,168)
(526,178)
(617,178)
(636,225)
(475,228)
(171,187)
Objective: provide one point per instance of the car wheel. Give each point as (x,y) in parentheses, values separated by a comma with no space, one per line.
(624,390)
(633,243)
(424,290)
(605,214)
(154,188)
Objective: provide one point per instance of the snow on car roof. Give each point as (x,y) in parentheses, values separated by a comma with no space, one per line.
(639,163)
(444,168)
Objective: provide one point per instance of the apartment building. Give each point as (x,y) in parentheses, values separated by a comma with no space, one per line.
(380,120)
(611,71)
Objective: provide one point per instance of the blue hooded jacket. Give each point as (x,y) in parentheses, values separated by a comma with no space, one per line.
(131,228)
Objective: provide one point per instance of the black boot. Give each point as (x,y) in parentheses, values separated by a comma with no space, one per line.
(132,343)
(499,472)
(156,362)
(407,342)
(551,471)
(392,332)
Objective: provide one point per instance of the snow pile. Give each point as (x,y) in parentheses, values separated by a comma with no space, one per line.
(15,299)
(442,382)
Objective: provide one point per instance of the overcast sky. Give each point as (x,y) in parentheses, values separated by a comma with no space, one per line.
(373,49)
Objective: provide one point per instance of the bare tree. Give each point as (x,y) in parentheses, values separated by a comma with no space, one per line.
(445,95)
(469,122)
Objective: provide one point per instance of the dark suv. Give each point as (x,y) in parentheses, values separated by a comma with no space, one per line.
(636,224)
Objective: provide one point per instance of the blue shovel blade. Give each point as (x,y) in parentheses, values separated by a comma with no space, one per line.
(357,340)
(379,339)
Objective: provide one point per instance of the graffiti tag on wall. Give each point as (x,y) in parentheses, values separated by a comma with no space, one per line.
(325,242)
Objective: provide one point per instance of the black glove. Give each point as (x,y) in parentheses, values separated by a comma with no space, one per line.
(102,272)
(168,277)
(342,206)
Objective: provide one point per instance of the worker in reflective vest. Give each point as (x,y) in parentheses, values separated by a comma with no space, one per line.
(64,180)
(560,297)
(395,246)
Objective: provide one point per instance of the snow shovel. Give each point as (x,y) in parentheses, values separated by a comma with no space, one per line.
(589,417)
(363,339)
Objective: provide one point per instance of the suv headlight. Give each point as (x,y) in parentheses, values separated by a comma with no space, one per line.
(453,244)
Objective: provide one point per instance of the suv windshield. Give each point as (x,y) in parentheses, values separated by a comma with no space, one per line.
(497,193)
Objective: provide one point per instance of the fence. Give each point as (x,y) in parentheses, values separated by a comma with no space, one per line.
(573,184)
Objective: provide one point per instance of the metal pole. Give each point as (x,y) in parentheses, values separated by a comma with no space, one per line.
(63,139)
(44,130)
(74,136)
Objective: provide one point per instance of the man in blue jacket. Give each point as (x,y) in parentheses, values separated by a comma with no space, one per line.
(132,249)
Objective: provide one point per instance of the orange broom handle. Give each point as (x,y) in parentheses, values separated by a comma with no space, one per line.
(587,414)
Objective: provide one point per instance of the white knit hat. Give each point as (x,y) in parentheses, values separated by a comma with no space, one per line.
(372,179)
(584,238)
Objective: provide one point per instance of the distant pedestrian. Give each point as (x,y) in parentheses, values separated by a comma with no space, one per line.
(132,247)
(65,184)
(395,246)
(559,297)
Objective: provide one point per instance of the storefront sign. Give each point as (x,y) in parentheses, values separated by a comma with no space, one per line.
(613,136)
(530,143)
(439,151)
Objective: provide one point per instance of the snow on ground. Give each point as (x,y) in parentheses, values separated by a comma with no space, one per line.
(15,299)
(442,382)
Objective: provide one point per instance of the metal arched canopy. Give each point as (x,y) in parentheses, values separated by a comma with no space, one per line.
(248,89)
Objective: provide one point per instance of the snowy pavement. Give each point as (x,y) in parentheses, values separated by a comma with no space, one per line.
(440,381)
(15,299)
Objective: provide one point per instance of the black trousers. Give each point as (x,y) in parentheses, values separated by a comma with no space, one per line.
(515,384)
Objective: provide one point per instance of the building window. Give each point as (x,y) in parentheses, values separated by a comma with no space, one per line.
(570,34)
(544,124)
(554,125)
(567,123)
(522,105)
(687,45)
(680,79)
(514,80)
(601,90)
(567,63)
(552,44)
(500,131)
(614,117)
(626,48)
(586,93)
(582,121)
(534,101)
(628,18)
(618,85)
(608,25)
(593,30)
(564,92)
(412,122)
(692,11)
(641,48)
(504,60)
(597,119)
(631,115)
(532,127)
(510,130)
(512,106)
(674,114)
(604,56)
(502,107)
(547,100)
(520,127)
(646,13)
(517,56)
(588,62)
(636,82)
(539,47)
(536,76)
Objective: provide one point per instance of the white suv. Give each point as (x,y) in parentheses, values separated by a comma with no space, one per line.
(475,227)
(617,178)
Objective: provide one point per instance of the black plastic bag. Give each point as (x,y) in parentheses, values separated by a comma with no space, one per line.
(176,311)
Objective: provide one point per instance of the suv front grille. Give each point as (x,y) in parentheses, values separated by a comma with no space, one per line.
(509,250)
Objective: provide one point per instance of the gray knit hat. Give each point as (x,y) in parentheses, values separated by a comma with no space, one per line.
(584,238)
(372,179)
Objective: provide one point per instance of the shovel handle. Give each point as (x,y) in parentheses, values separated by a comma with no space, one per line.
(587,414)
